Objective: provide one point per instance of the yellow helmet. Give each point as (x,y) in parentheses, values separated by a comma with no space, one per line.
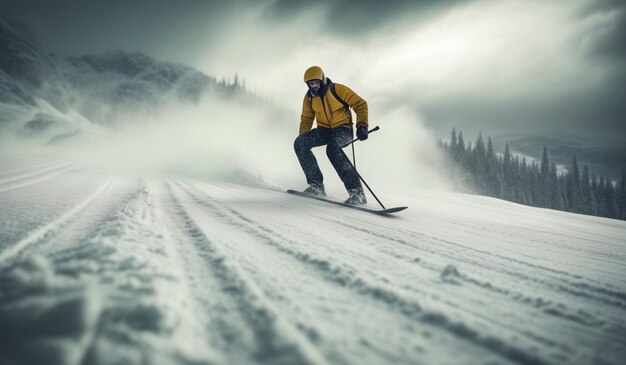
(314,73)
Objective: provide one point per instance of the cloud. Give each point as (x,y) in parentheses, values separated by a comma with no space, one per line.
(523,66)
(162,28)
(493,63)
(350,19)
(596,114)
(606,31)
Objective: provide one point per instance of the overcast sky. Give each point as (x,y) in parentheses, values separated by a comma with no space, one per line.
(497,66)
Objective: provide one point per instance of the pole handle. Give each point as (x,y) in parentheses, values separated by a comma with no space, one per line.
(356,139)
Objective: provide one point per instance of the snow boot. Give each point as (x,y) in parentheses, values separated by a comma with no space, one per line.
(357,197)
(315,190)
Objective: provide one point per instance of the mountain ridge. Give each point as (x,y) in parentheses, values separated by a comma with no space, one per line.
(35,85)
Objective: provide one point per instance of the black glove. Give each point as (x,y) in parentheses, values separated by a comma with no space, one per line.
(361,133)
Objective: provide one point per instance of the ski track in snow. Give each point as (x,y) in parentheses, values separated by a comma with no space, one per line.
(344,276)
(97,268)
(459,329)
(21,174)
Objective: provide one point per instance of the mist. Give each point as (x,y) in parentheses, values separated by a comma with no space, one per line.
(219,139)
(423,67)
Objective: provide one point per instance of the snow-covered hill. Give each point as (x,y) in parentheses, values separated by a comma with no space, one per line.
(98,268)
(75,96)
(27,72)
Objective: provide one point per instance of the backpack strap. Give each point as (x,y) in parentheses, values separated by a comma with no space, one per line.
(332,90)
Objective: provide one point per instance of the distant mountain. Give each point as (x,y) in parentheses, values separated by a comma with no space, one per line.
(602,157)
(12,93)
(19,55)
(25,71)
(119,81)
(123,78)
(36,86)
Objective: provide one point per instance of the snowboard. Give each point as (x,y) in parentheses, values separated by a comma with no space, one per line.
(385,211)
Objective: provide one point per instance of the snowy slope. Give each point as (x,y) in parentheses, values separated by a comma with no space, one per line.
(98,268)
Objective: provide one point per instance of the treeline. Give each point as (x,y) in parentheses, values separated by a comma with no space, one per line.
(478,169)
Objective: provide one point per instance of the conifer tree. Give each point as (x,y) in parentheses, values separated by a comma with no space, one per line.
(585,192)
(528,182)
(507,171)
(461,143)
(621,197)
(478,166)
(494,182)
(453,140)
(556,199)
(491,154)
(573,187)
(507,154)
(544,188)
(609,191)
(523,183)
(595,204)
(480,147)
(601,194)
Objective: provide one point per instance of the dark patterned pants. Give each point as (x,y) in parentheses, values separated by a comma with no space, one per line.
(333,138)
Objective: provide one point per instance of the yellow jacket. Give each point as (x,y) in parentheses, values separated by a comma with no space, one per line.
(329,112)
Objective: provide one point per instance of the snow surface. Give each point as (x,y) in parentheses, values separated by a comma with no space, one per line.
(98,268)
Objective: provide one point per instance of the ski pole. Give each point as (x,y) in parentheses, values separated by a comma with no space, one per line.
(356,139)
(368,188)
(357,172)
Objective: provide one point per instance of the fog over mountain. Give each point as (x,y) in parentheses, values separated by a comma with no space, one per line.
(95,85)
(533,67)
(137,114)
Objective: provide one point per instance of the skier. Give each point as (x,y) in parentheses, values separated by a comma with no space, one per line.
(329,104)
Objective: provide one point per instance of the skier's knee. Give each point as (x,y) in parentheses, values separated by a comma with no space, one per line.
(298,143)
(332,151)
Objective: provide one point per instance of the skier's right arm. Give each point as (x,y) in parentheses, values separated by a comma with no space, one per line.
(307,116)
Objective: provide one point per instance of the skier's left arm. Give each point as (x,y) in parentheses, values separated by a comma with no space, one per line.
(307,116)
(357,103)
